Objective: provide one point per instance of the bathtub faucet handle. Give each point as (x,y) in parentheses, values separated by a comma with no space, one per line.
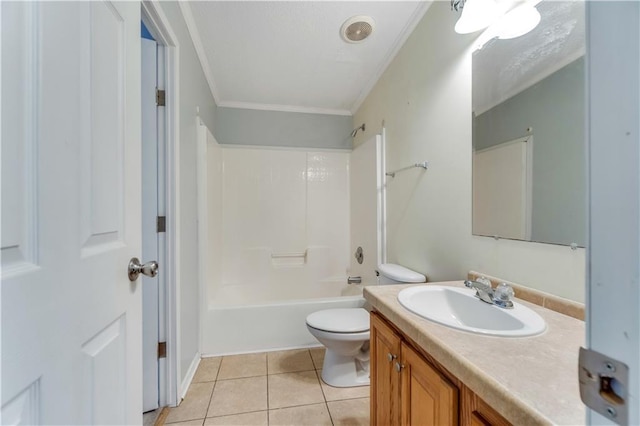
(354,280)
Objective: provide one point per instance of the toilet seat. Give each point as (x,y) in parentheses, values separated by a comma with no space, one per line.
(349,320)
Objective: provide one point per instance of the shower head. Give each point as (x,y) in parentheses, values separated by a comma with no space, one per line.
(354,132)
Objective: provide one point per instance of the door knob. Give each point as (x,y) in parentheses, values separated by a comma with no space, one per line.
(149,269)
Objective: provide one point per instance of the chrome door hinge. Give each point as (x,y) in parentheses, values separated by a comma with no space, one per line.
(160,97)
(161,224)
(604,385)
(162,350)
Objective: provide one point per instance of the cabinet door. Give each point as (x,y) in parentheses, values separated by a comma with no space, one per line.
(428,398)
(385,380)
(476,412)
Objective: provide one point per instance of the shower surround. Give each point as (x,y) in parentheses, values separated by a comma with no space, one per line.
(277,245)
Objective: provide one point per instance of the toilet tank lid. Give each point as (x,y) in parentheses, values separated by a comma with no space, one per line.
(400,273)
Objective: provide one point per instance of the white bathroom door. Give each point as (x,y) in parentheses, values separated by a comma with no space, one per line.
(71,319)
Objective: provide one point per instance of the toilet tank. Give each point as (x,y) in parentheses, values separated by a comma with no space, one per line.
(390,273)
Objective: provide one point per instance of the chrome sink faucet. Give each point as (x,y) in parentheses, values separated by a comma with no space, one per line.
(500,296)
(484,291)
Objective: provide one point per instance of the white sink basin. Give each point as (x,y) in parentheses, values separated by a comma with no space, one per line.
(459,308)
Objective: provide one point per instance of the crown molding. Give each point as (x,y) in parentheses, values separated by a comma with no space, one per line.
(402,38)
(192,28)
(284,108)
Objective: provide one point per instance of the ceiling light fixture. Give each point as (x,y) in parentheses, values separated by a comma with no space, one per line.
(476,15)
(517,22)
(503,21)
(357,28)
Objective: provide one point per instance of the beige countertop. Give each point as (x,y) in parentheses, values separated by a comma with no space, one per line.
(530,380)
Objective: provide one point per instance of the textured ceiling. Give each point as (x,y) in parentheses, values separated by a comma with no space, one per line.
(503,68)
(288,55)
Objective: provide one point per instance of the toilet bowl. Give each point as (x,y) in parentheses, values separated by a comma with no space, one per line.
(345,334)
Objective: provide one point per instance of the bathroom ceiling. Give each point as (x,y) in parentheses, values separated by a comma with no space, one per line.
(289,56)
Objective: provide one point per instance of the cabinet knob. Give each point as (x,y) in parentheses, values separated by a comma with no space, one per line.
(399,367)
(391,357)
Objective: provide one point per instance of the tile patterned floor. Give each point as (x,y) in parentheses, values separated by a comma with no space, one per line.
(273,388)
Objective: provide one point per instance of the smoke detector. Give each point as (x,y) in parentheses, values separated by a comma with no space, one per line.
(357,28)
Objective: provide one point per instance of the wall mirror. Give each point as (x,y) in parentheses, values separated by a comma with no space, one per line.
(529,177)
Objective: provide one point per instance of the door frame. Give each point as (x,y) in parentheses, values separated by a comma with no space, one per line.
(158,25)
(613,272)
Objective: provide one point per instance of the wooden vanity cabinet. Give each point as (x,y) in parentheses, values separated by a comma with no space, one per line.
(410,388)
(426,396)
(476,412)
(385,380)
(405,388)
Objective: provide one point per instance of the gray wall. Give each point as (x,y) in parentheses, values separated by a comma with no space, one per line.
(288,129)
(194,92)
(555,109)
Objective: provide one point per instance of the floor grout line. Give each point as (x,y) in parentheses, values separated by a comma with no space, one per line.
(210,399)
(326,403)
(184,421)
(291,372)
(329,411)
(297,406)
(219,368)
(267,360)
(235,414)
(321,388)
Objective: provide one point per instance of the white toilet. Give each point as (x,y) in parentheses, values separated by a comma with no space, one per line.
(345,334)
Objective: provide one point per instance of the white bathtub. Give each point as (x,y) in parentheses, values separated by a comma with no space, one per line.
(231,328)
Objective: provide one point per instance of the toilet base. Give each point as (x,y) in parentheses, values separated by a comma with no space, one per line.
(345,371)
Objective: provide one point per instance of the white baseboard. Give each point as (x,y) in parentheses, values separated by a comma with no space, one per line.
(189,376)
